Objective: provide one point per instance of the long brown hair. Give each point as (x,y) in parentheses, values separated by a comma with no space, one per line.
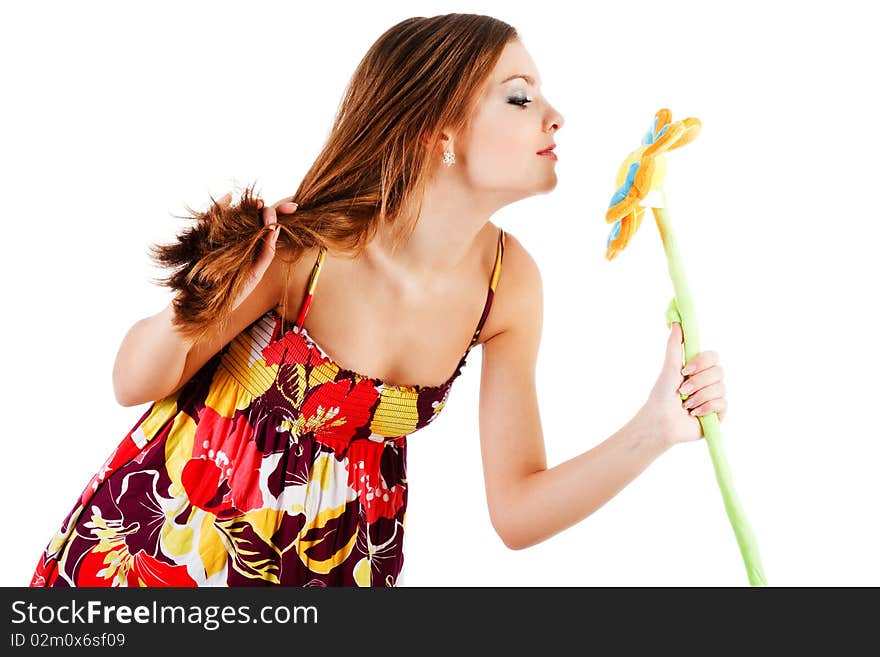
(421,75)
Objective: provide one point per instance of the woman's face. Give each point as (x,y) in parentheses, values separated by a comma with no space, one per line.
(512,122)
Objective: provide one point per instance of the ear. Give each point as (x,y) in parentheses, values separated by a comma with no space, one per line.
(444,139)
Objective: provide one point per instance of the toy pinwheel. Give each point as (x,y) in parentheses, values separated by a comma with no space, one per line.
(639,185)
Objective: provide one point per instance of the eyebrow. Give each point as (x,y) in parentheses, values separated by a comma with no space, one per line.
(527,78)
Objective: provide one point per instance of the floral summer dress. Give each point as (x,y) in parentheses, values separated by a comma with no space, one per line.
(272,465)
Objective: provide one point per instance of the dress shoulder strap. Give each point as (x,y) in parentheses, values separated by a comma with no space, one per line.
(493,283)
(310,289)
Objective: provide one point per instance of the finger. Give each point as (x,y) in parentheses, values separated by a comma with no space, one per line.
(267,254)
(271,236)
(700,362)
(289,207)
(271,230)
(286,199)
(702,379)
(269,216)
(711,406)
(714,391)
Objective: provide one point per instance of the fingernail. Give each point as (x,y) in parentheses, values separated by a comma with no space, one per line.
(685,389)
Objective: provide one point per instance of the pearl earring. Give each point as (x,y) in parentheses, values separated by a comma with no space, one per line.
(448,158)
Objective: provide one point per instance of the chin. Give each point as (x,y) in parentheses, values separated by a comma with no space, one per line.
(549,185)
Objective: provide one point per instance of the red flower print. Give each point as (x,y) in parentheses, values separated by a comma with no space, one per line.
(223,475)
(45,574)
(364,475)
(126,569)
(320,413)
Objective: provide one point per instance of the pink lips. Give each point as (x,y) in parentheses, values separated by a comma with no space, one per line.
(548,152)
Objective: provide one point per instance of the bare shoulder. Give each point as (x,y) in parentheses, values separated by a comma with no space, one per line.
(518,299)
(266,295)
(287,277)
(511,435)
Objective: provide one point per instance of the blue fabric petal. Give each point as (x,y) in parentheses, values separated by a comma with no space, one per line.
(615,231)
(623,190)
(648,137)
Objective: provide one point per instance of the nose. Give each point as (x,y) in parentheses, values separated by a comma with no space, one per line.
(557,122)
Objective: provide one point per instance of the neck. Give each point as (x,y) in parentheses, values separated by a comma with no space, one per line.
(445,235)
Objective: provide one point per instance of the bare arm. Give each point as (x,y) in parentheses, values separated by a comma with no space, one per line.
(155,360)
(150,360)
(548,501)
(528,502)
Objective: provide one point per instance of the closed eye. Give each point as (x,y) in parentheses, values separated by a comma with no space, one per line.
(522,101)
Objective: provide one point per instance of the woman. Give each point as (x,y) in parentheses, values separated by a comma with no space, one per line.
(268,457)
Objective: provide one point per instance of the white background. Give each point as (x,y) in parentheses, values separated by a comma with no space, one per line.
(116,115)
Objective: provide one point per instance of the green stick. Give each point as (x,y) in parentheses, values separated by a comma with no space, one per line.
(681,309)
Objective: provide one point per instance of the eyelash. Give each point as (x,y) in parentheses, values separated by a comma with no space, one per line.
(519,100)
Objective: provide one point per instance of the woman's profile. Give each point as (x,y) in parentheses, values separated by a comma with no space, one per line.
(309,339)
